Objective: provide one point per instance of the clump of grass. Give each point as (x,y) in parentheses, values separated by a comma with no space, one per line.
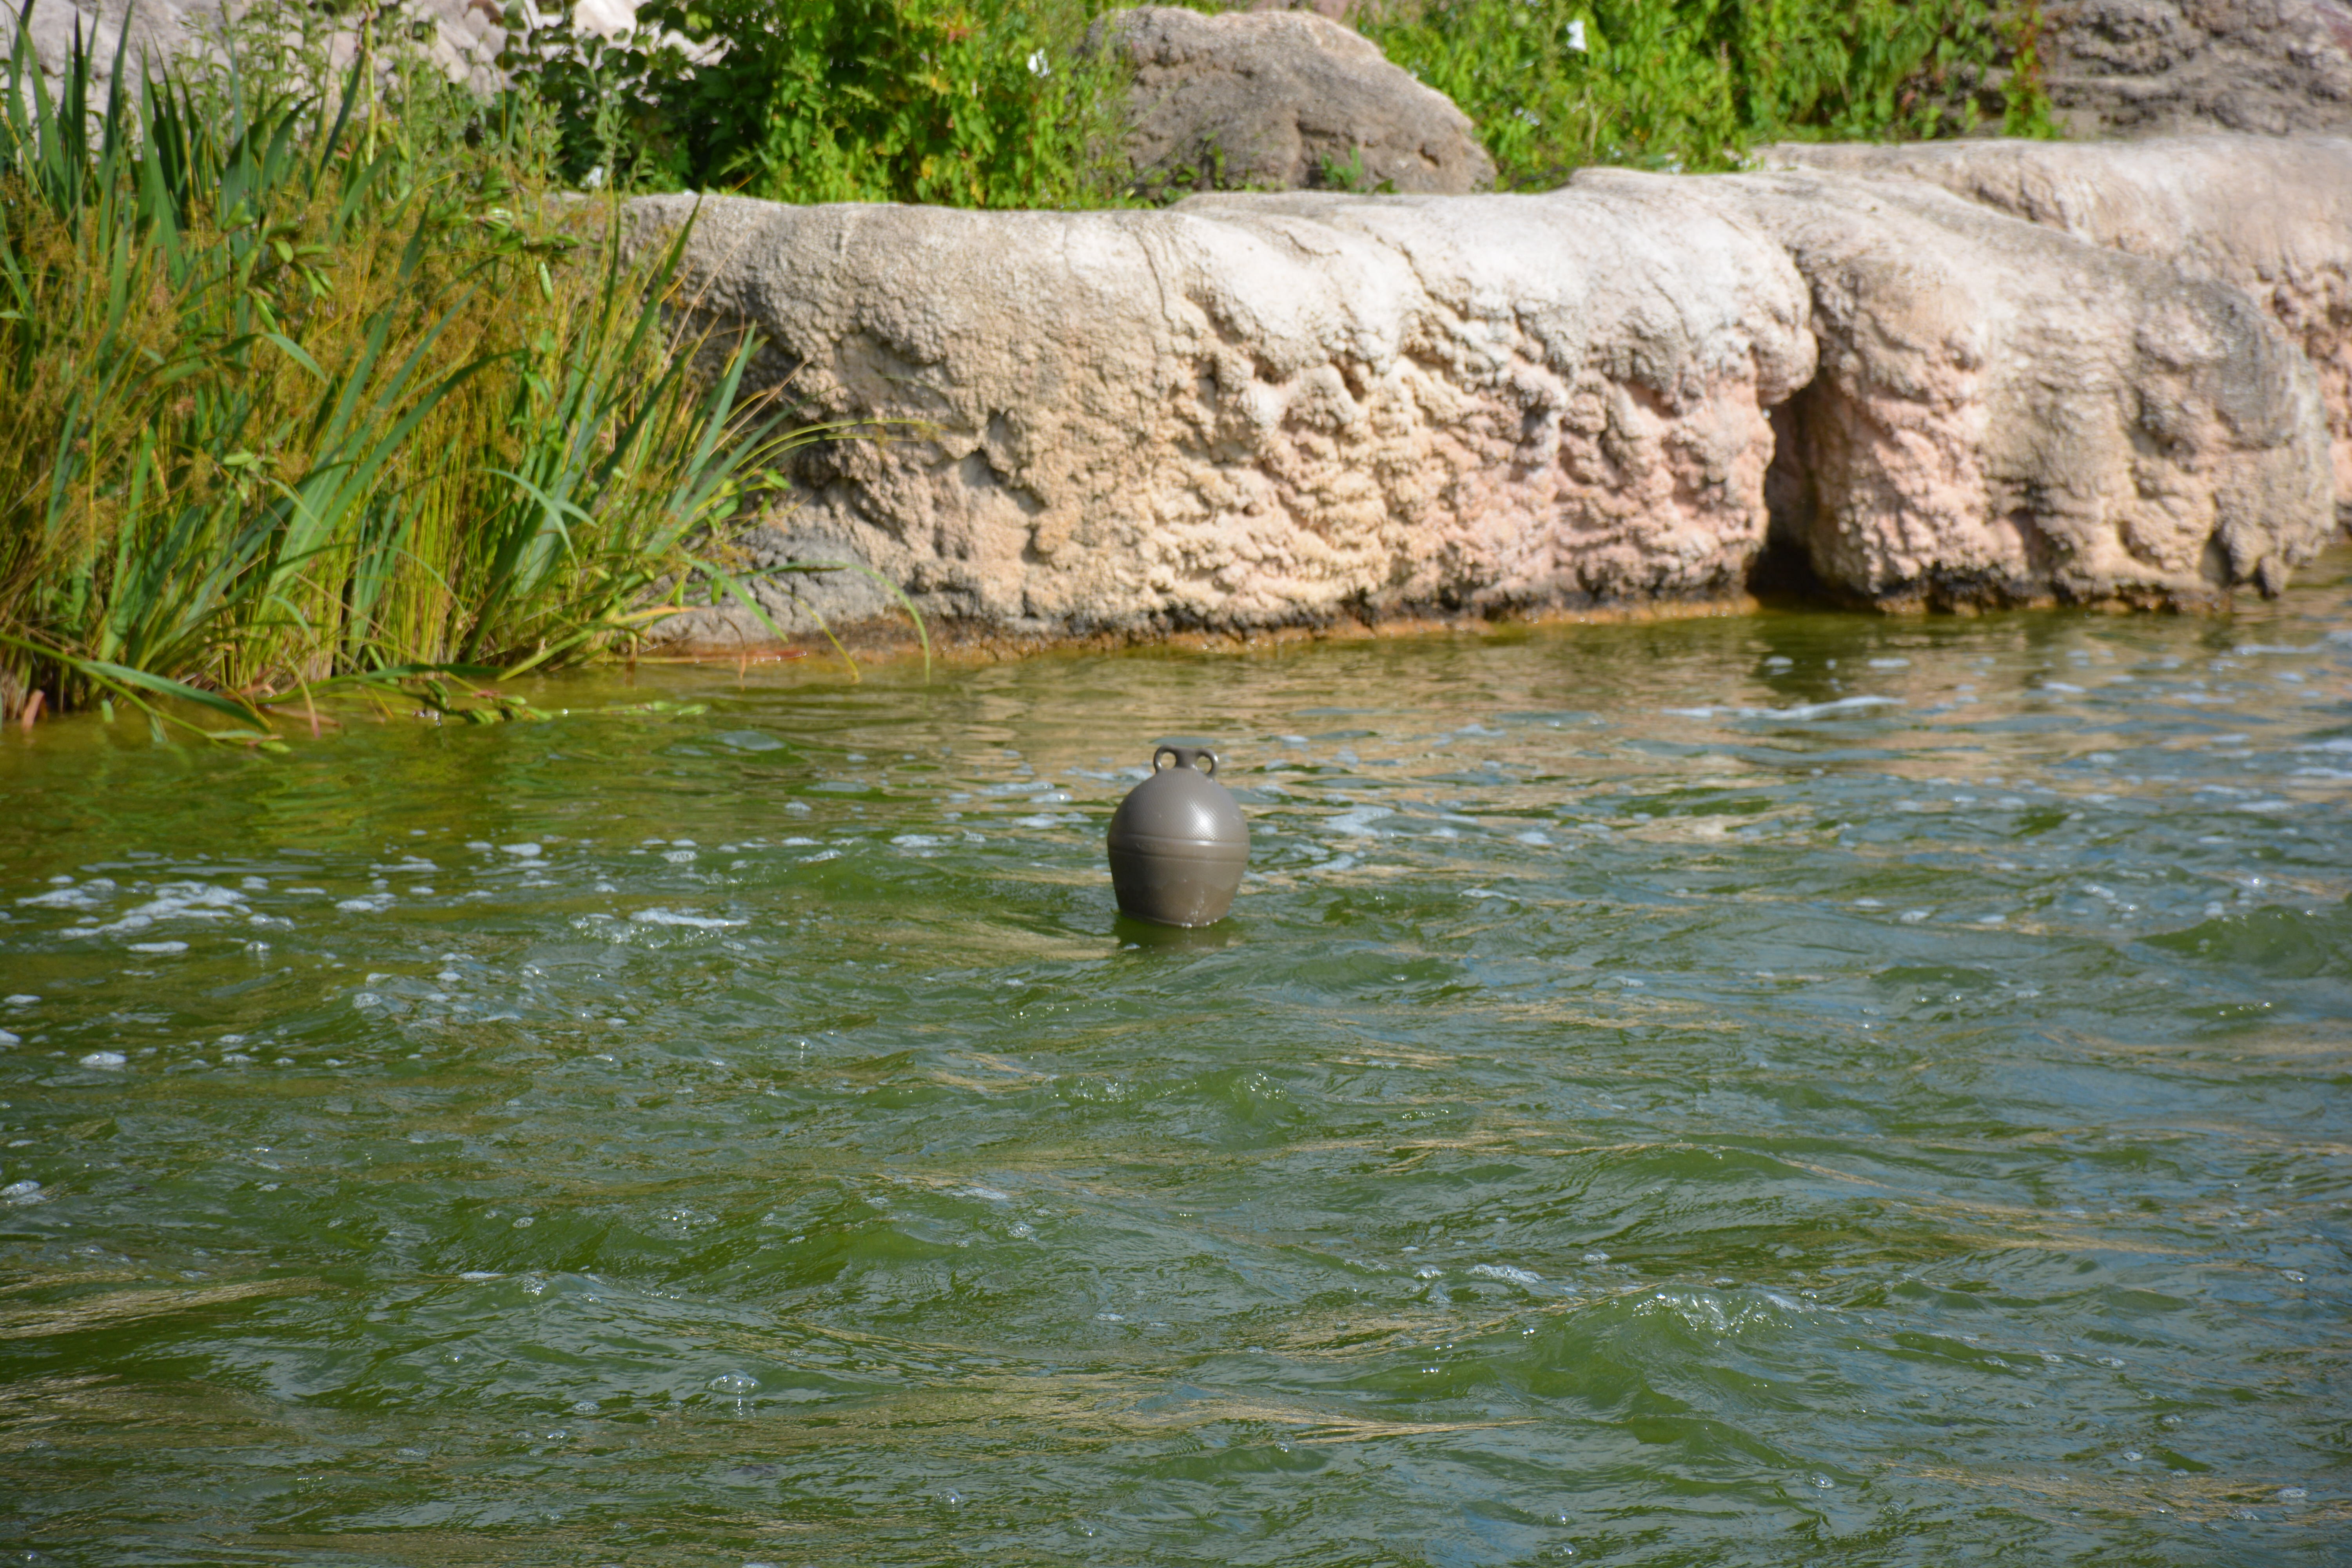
(281,412)
(1554,84)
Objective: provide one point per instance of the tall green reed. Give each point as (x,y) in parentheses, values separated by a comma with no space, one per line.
(283,416)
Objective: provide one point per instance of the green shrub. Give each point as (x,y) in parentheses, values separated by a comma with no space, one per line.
(941,101)
(1691,84)
(946,101)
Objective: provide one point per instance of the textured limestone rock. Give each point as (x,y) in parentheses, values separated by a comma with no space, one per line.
(2005,414)
(1255,411)
(461,37)
(1276,100)
(2270,216)
(2137,68)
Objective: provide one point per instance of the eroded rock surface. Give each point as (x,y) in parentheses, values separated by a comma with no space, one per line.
(2272,217)
(461,37)
(2006,414)
(1281,100)
(1272,410)
(1256,411)
(2138,67)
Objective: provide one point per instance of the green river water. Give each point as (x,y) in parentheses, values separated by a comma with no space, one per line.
(1794,1089)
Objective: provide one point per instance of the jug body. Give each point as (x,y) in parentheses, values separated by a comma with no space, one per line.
(1178,843)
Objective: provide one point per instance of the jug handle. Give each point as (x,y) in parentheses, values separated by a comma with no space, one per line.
(1186,756)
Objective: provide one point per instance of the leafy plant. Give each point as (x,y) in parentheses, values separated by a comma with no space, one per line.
(1554,85)
(947,102)
(270,424)
(1350,175)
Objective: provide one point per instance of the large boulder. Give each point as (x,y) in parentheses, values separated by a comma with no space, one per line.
(2272,217)
(1257,411)
(2140,67)
(2006,414)
(1280,101)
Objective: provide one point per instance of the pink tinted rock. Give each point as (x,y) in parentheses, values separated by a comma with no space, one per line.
(2005,414)
(1256,411)
(2272,217)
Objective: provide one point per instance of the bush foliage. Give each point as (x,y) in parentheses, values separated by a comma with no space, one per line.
(974,105)
(956,103)
(1554,85)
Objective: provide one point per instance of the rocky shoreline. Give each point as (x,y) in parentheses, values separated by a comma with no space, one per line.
(1944,376)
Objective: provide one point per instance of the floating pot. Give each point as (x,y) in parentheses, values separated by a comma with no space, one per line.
(1178,843)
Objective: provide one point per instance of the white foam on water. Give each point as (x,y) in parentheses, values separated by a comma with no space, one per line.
(108,1059)
(1822,710)
(172,901)
(1798,713)
(20,1000)
(87,897)
(159,947)
(672,918)
(679,856)
(372,904)
(17,1192)
(522,851)
(8,1039)
(1516,1276)
(1890,664)
(918,841)
(1359,821)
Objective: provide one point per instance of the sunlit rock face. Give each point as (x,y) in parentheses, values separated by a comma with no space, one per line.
(1280,101)
(2005,414)
(462,37)
(2271,217)
(1255,411)
(1262,411)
